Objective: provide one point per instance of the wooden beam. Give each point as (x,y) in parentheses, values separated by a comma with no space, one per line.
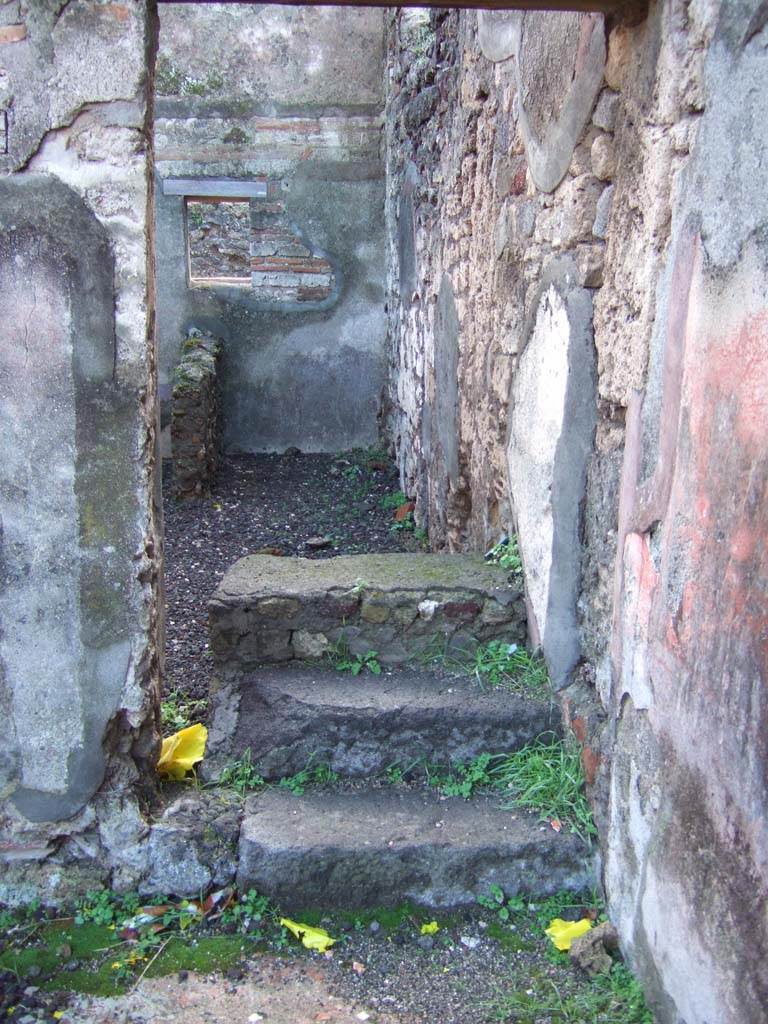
(620,7)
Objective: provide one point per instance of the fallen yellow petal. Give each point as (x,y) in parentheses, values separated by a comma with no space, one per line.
(430,929)
(562,933)
(181,752)
(312,938)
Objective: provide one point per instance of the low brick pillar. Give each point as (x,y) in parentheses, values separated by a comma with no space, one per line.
(195,416)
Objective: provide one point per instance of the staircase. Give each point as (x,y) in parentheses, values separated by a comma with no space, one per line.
(366,842)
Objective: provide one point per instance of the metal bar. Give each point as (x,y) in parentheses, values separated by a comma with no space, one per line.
(221,188)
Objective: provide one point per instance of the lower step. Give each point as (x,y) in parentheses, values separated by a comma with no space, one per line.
(289,716)
(382,847)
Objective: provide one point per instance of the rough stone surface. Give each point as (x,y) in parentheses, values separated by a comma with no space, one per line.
(78,526)
(193,847)
(359,725)
(472,237)
(275,99)
(196,415)
(353,850)
(680,162)
(367,602)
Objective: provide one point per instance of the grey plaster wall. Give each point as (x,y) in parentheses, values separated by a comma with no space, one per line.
(78,526)
(308,374)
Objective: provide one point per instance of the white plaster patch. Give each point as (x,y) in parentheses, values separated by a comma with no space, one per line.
(537,422)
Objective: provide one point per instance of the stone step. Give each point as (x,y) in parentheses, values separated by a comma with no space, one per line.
(381,847)
(289,715)
(270,609)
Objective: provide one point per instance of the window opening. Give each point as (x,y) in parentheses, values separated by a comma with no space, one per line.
(218,239)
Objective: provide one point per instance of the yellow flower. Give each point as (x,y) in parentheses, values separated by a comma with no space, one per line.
(430,929)
(182,751)
(562,933)
(116,965)
(58,1014)
(312,938)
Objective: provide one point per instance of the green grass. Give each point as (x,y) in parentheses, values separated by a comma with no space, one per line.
(511,667)
(393,501)
(241,775)
(498,663)
(614,998)
(546,777)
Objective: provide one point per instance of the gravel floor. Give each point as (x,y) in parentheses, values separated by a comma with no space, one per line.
(264,501)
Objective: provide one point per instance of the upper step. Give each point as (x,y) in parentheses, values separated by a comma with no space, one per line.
(383,847)
(270,609)
(291,714)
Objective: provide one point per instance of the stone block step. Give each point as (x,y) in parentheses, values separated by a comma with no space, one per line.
(288,715)
(381,847)
(270,609)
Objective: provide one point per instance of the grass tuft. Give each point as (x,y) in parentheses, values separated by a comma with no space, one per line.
(546,777)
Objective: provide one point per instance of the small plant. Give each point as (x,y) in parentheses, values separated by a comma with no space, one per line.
(503,664)
(507,555)
(344,661)
(178,712)
(546,777)
(104,907)
(317,775)
(248,910)
(503,906)
(241,775)
(405,525)
(393,501)
(464,778)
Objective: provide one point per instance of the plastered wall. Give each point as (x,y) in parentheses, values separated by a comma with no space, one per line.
(292,97)
(79,544)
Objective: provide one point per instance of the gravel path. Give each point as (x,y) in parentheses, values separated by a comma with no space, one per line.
(264,502)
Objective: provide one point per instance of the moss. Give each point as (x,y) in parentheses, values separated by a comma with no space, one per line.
(96,949)
(212,953)
(92,946)
(508,939)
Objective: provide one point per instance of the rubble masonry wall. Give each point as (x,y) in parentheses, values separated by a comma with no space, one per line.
(578,341)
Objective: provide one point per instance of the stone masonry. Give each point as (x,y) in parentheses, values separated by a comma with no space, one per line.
(269,609)
(571,195)
(195,420)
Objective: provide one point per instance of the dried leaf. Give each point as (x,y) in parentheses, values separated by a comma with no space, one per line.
(556,824)
(562,933)
(403,511)
(357,967)
(181,752)
(312,938)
